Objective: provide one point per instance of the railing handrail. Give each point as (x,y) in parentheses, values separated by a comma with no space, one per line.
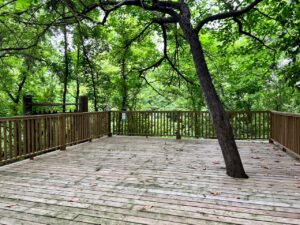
(187,111)
(286,113)
(24,117)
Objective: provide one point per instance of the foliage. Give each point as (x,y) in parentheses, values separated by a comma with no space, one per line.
(108,63)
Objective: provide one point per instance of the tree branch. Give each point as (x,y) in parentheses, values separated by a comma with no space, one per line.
(138,35)
(265,15)
(240,26)
(159,6)
(168,58)
(153,88)
(225,15)
(35,43)
(7,3)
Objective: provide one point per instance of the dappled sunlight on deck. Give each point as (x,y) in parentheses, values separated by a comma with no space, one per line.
(138,180)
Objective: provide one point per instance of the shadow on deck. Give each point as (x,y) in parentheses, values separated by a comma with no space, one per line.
(134,180)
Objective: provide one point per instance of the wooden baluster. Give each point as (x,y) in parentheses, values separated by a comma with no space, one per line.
(84,127)
(55,132)
(34,135)
(109,124)
(92,121)
(1,151)
(80,127)
(206,125)
(49,133)
(178,134)
(167,131)
(62,132)
(5,140)
(40,121)
(76,128)
(16,144)
(262,125)
(10,136)
(28,137)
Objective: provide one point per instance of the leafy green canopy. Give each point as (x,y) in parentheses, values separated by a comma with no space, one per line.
(111,63)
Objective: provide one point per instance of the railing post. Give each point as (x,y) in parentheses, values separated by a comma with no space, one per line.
(178,135)
(109,124)
(271,129)
(62,119)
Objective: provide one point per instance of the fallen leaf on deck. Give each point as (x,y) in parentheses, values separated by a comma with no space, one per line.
(147,207)
(215,193)
(98,168)
(255,157)
(142,208)
(191,167)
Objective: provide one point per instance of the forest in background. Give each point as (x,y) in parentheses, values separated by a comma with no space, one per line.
(115,64)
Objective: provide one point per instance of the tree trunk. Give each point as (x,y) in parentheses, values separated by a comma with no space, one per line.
(234,166)
(124,86)
(77,79)
(66,72)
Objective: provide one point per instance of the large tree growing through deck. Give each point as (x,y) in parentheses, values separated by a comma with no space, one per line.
(165,13)
(179,12)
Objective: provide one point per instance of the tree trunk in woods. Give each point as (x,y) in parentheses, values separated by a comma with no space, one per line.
(124,86)
(234,166)
(66,72)
(77,79)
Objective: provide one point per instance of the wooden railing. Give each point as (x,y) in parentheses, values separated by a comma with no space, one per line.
(285,130)
(246,125)
(25,137)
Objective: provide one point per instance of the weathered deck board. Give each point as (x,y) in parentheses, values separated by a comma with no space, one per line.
(135,180)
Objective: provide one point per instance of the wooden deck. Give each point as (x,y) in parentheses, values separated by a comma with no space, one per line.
(134,180)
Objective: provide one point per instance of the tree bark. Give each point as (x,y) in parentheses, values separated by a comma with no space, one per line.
(124,86)
(234,166)
(66,72)
(77,78)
